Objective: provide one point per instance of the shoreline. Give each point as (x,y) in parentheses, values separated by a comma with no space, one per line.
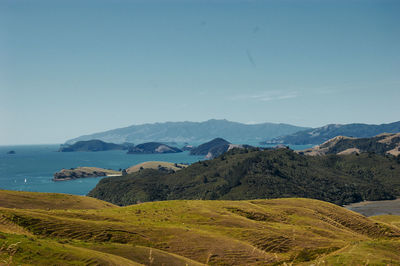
(378,207)
(69,178)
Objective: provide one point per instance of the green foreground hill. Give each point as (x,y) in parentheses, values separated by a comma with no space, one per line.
(254,232)
(242,174)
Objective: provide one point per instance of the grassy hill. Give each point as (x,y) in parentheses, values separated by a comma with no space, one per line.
(49,201)
(156,165)
(257,232)
(388,143)
(243,174)
(322,134)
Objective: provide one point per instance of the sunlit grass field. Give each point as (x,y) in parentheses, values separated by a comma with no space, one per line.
(57,229)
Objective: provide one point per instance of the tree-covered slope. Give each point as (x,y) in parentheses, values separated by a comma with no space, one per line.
(253,174)
(205,148)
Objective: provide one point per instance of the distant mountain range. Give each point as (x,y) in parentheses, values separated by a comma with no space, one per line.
(192,132)
(322,134)
(176,133)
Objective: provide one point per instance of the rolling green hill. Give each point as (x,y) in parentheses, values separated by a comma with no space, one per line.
(243,174)
(255,232)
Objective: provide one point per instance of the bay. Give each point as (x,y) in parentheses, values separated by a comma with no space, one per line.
(31,168)
(36,165)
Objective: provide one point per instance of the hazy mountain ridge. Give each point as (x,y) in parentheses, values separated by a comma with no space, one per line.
(192,132)
(322,134)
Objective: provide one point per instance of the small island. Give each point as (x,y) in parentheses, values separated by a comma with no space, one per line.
(94,145)
(82,172)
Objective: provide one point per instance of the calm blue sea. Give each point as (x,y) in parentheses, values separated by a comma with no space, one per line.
(36,165)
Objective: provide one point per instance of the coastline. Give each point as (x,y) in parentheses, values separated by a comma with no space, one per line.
(70,178)
(373,208)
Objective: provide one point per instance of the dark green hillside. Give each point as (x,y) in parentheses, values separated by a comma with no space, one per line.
(152,147)
(212,148)
(254,174)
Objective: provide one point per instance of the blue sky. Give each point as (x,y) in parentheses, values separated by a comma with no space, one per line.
(72,67)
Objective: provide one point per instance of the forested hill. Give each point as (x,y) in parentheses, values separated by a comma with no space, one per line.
(254,174)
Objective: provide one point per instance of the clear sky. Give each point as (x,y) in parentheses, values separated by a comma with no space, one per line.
(74,67)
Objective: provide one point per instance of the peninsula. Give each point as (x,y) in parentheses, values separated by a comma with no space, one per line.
(82,172)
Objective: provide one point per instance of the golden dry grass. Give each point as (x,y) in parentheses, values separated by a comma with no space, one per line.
(252,232)
(49,201)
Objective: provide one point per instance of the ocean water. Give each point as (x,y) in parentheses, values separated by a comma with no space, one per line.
(37,163)
(33,166)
